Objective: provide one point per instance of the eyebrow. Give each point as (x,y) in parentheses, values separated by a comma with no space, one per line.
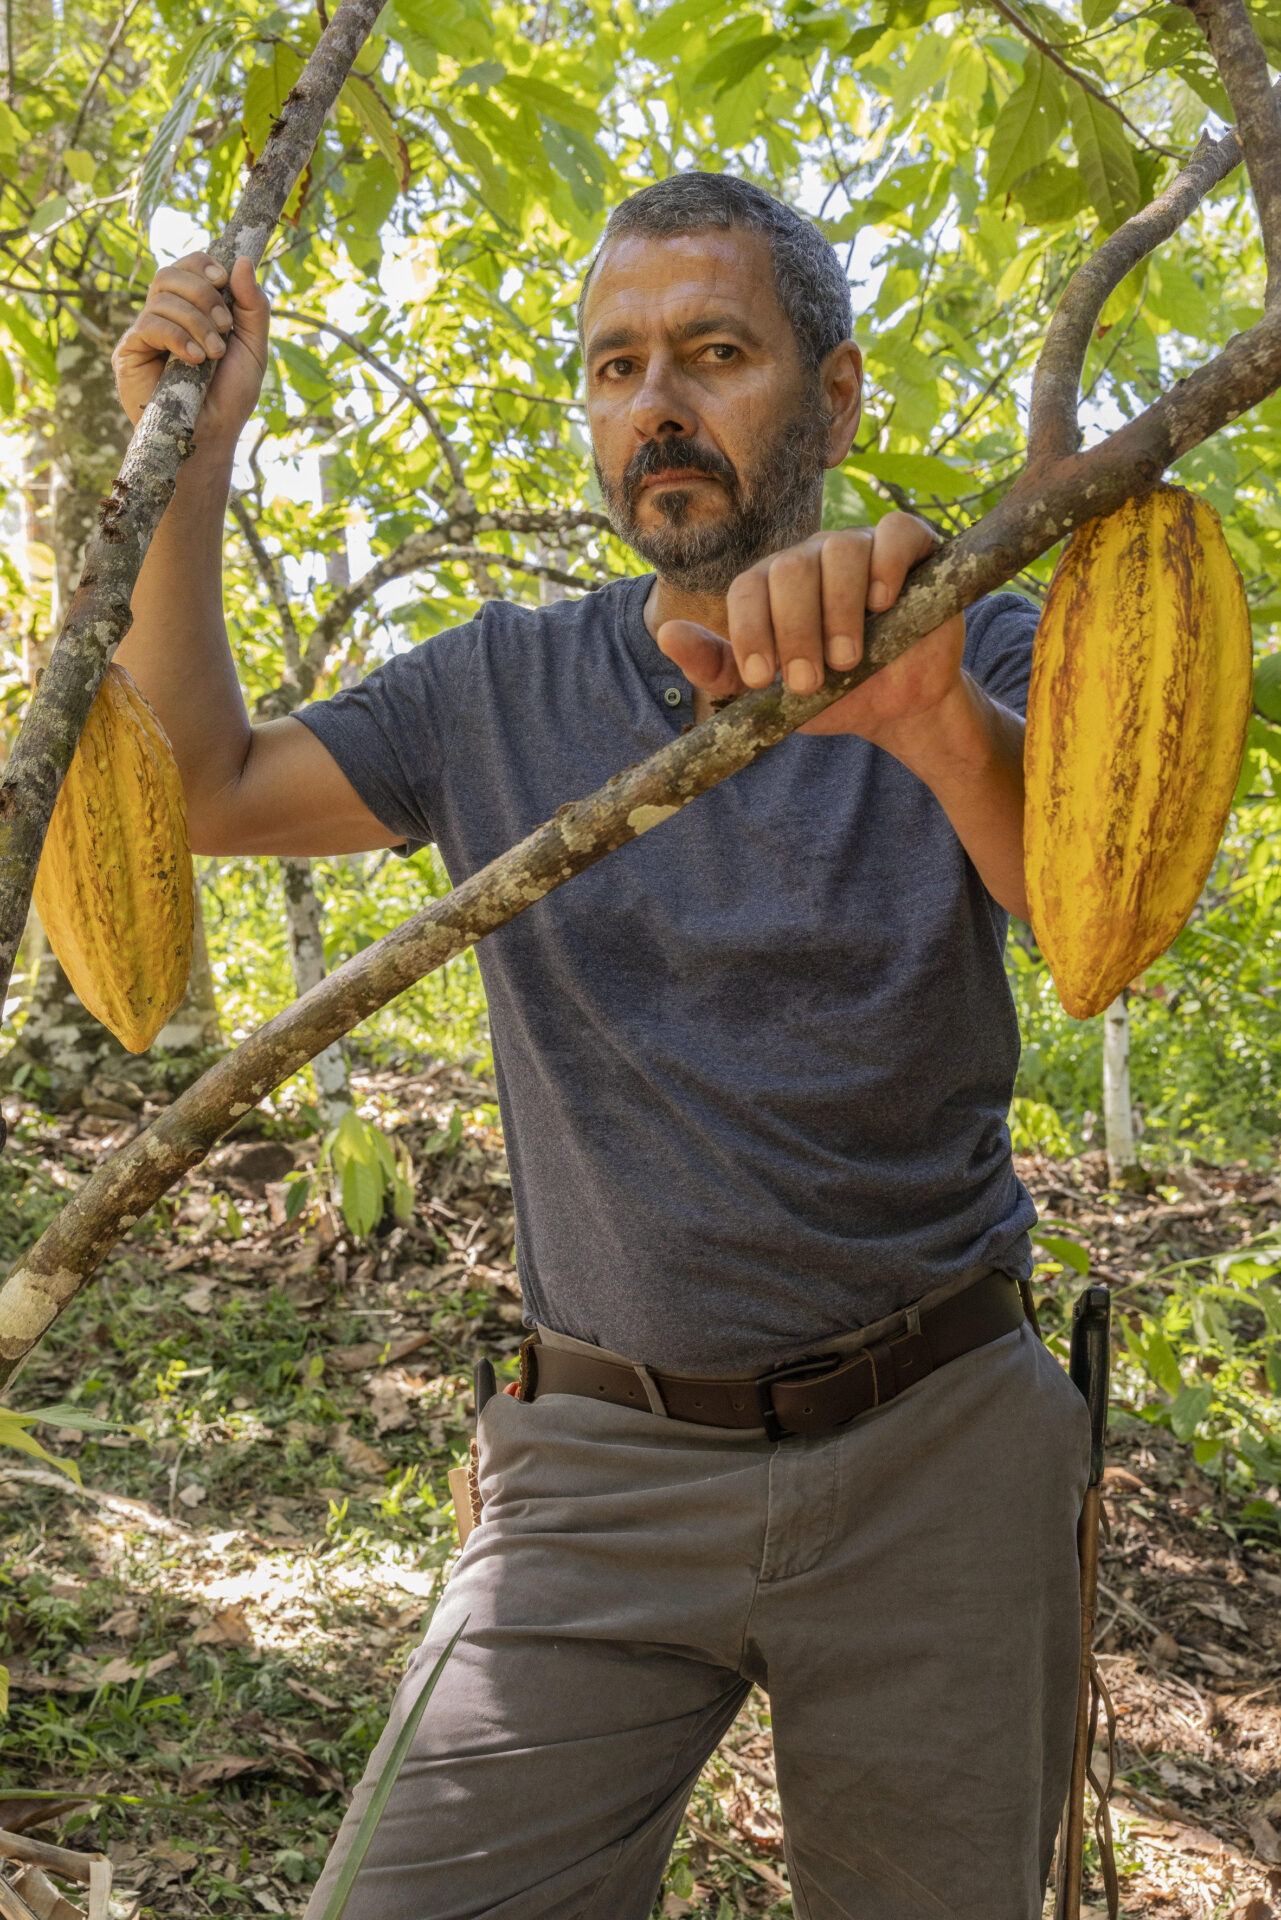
(691,330)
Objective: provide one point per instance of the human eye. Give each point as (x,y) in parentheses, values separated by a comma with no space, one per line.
(616,369)
(721,352)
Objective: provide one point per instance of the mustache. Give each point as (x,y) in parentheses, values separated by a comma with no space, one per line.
(661,456)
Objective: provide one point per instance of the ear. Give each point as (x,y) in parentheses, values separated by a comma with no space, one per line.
(841,376)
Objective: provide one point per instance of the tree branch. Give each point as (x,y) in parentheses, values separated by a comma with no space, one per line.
(416,551)
(1243,68)
(1077,78)
(99,615)
(1053,431)
(273,580)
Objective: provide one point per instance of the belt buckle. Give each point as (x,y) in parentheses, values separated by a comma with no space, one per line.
(811,1368)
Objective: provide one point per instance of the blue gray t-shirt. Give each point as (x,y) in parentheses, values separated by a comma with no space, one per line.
(754,1067)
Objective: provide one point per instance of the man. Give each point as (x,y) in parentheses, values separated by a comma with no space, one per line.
(754,1071)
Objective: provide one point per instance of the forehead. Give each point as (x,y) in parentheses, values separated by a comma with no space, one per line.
(652,285)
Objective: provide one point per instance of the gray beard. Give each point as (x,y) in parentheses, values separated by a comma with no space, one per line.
(778,504)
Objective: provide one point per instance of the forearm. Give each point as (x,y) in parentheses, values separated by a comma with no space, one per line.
(177,649)
(968,750)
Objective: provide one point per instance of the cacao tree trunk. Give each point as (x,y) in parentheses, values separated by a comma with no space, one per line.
(1118,1113)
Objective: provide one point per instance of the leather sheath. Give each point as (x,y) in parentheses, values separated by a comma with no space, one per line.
(807,1396)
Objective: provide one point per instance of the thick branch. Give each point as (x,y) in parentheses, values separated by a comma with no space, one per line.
(1243,69)
(1052,425)
(417,551)
(1038,511)
(99,615)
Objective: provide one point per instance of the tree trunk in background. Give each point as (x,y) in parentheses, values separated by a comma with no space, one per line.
(302,902)
(307,952)
(550,591)
(86,442)
(1118,1113)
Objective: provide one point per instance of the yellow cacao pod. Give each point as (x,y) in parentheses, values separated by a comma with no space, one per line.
(1137,714)
(114,885)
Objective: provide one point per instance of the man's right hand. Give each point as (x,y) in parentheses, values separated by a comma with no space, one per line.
(185,315)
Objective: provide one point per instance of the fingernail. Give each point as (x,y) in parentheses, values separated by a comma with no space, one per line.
(757,670)
(216,273)
(842,651)
(194,352)
(214,344)
(221,317)
(802,676)
(878,596)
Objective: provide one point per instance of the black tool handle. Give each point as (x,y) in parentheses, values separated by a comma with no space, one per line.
(1089,1365)
(484,1384)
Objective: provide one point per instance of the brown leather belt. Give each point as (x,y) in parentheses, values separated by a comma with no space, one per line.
(806,1396)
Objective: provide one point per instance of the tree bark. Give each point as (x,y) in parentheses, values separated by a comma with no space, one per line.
(99,615)
(307,954)
(1118,1112)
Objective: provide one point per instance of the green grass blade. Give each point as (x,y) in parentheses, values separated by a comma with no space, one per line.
(336,1905)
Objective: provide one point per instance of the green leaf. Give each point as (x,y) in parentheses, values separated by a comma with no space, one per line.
(266,91)
(13,135)
(336,1905)
(4,1691)
(80,165)
(296,1198)
(1050,193)
(13,1433)
(733,64)
(1107,165)
(1095,12)
(1158,1356)
(67,1414)
(309,374)
(48,213)
(1189,1410)
(916,473)
(374,115)
(8,386)
(1027,126)
(362,1197)
(1070,1252)
(1267,687)
(172,132)
(525,89)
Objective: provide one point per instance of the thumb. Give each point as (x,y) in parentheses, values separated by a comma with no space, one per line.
(703,657)
(252,309)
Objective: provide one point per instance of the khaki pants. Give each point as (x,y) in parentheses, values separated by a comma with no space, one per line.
(905,1588)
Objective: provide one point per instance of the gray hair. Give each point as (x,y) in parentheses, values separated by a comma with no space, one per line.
(811,287)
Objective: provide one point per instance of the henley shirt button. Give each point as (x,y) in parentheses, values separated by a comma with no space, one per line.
(672,695)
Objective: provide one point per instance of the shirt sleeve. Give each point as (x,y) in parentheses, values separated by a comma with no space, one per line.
(392,734)
(998,646)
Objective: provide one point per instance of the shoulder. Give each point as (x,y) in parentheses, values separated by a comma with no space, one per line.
(1004,617)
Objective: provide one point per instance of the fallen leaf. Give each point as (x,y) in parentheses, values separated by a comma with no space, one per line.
(1253,1907)
(390,1406)
(222,1767)
(228,1628)
(42,1897)
(199,1299)
(191,1495)
(1267,1841)
(356,1453)
(317,1698)
(118,1673)
(1119,1480)
(372,1353)
(175,1856)
(1164,1650)
(123,1625)
(22,1811)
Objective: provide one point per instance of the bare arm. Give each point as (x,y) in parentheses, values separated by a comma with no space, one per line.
(266,789)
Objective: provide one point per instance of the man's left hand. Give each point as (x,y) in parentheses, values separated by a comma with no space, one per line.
(801,611)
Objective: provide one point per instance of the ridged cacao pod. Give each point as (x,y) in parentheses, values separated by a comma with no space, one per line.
(114,885)
(1137,714)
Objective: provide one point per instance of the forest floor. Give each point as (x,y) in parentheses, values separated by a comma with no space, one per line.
(203,1642)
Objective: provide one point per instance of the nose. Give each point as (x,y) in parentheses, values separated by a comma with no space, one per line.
(660,410)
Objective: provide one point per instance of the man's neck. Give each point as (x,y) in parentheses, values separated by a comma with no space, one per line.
(666,602)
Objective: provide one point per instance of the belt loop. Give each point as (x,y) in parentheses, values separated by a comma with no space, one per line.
(912,1319)
(652,1394)
(528,1386)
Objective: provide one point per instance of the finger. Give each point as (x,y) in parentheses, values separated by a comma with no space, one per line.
(703,657)
(253,309)
(898,542)
(151,337)
(796,610)
(844,564)
(246,289)
(199,325)
(751,629)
